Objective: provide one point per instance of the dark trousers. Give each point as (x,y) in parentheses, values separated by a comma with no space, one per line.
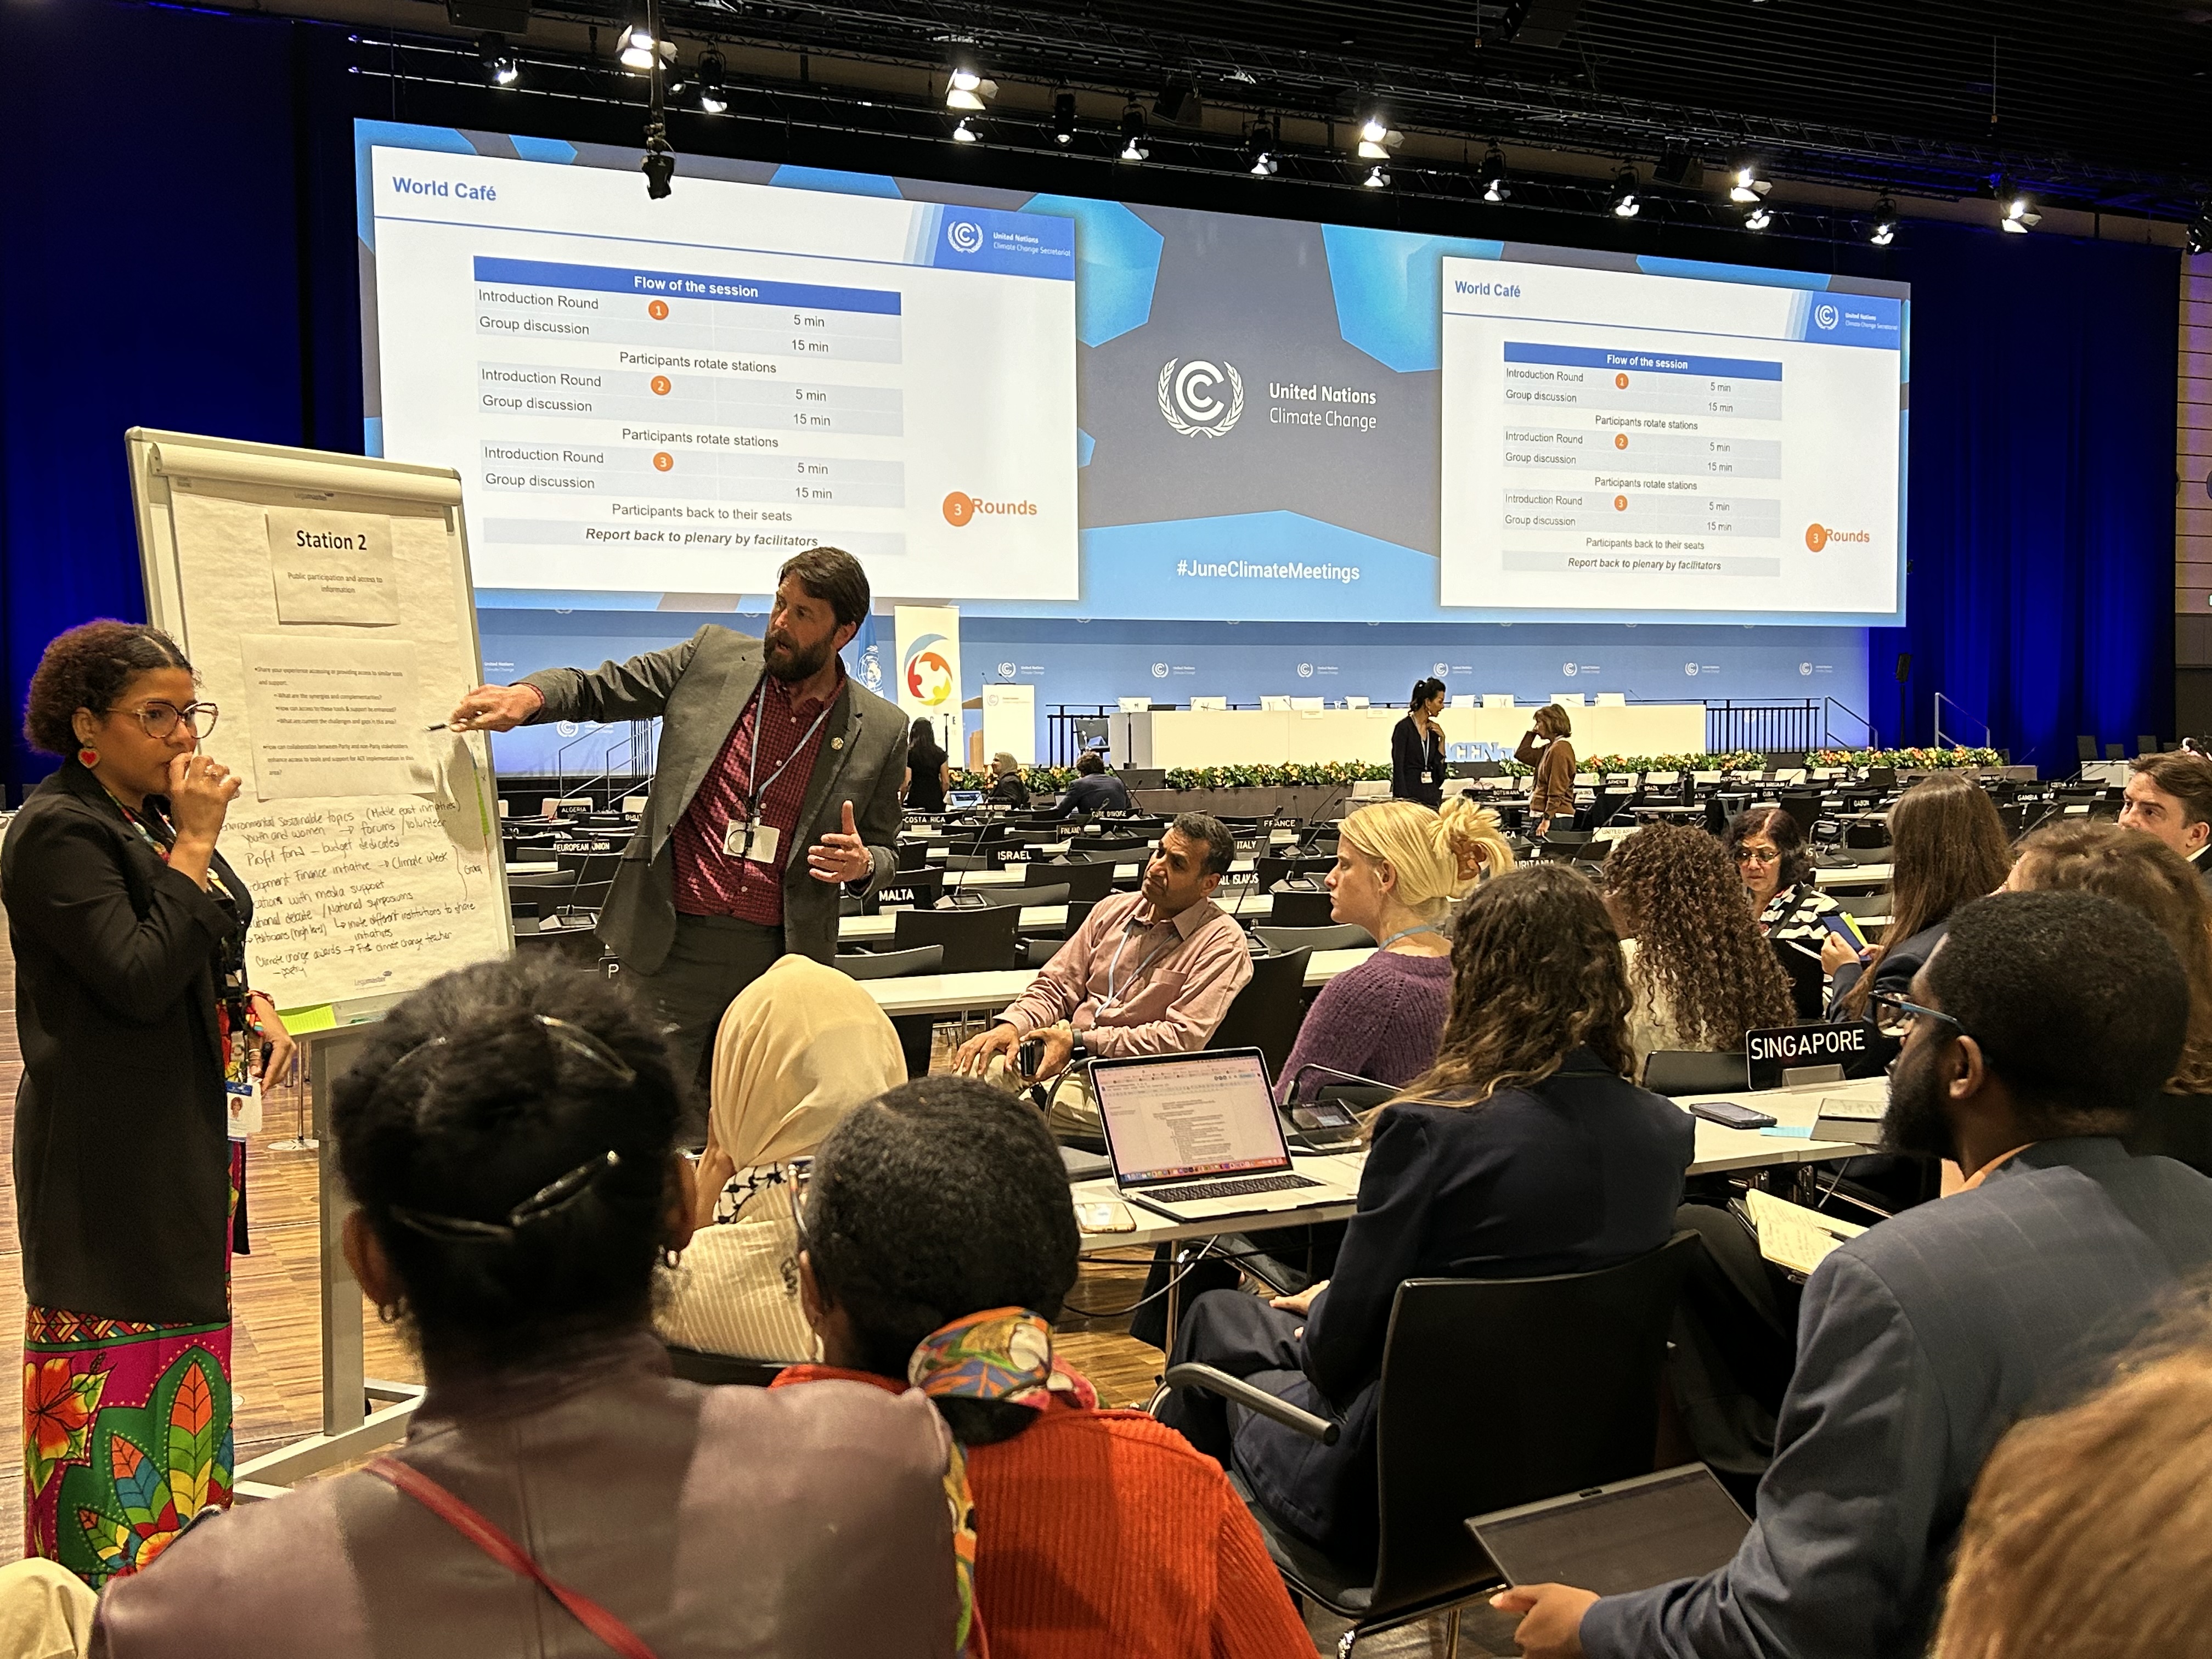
(1734,1346)
(711,960)
(1240,1334)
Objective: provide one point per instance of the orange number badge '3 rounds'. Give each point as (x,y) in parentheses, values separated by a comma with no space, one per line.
(1816,537)
(1620,503)
(657,311)
(959,509)
(663,461)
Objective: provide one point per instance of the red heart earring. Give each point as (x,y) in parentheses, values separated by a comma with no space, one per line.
(88,757)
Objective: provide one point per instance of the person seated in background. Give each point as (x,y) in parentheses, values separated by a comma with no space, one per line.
(1545,749)
(2086,1536)
(2153,880)
(1398,866)
(1006,784)
(509,1136)
(1095,789)
(1702,974)
(2037,1030)
(939,1245)
(1523,1151)
(1768,850)
(799,1047)
(1947,846)
(1147,973)
(2170,796)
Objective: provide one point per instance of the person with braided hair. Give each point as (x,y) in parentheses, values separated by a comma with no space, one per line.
(1523,1150)
(1702,973)
(509,1137)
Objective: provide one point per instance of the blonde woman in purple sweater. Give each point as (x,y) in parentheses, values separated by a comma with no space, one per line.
(1398,866)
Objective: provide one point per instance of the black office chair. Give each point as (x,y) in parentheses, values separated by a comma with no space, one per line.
(1041,944)
(1084,879)
(2084,747)
(1107,843)
(1674,1071)
(1266,1013)
(1280,941)
(893,964)
(2114,751)
(695,1366)
(913,855)
(1582,1401)
(1297,909)
(974,941)
(2145,744)
(1275,867)
(1025,895)
(1805,810)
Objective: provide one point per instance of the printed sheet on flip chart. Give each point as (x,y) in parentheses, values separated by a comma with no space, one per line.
(332,566)
(366,841)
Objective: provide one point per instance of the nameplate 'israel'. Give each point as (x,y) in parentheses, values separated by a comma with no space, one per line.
(1787,1048)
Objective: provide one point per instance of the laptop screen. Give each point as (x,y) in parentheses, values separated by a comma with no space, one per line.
(1170,1117)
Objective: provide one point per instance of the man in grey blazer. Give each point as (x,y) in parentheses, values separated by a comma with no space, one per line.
(766,747)
(2039,1027)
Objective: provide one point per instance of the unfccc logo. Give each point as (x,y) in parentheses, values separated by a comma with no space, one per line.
(1305,671)
(964,235)
(1159,671)
(1826,315)
(1187,402)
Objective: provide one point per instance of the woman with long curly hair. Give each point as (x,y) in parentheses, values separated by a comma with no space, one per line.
(1947,846)
(1702,972)
(1524,1149)
(2143,872)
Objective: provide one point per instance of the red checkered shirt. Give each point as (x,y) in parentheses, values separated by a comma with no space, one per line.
(710,883)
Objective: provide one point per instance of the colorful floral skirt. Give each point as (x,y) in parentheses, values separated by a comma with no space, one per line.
(126,1435)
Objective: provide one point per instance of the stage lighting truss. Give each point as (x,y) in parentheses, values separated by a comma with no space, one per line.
(1496,186)
(1135,145)
(2200,229)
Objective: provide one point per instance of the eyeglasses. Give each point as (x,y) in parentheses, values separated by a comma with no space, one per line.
(159,719)
(1891,1003)
(1756,855)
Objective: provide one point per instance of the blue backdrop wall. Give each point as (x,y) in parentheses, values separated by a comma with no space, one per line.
(180,256)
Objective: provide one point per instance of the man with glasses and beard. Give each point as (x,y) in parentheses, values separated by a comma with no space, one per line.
(776,790)
(2037,1031)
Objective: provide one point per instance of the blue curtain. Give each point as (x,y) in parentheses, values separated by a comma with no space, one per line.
(180,254)
(2040,491)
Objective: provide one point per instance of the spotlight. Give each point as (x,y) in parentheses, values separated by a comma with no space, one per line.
(1885,223)
(1495,186)
(1377,139)
(1748,186)
(966,88)
(2016,211)
(2200,229)
(712,98)
(1135,148)
(659,166)
(1260,150)
(1376,179)
(1063,118)
(963,133)
(637,45)
(502,67)
(1625,202)
(1759,218)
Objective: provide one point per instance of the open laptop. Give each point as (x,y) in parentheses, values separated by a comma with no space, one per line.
(1627,1536)
(1195,1136)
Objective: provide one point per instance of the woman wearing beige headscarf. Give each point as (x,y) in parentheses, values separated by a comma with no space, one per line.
(800,1047)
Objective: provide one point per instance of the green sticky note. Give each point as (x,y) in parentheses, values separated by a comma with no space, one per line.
(300,1021)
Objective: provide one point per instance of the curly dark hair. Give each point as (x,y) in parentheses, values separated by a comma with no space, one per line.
(1536,973)
(1778,827)
(938,1199)
(1699,953)
(1947,847)
(466,1105)
(89,666)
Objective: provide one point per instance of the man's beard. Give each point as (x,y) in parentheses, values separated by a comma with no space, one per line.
(1915,1122)
(788,663)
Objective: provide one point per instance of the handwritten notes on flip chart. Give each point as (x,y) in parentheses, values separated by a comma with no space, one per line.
(332,566)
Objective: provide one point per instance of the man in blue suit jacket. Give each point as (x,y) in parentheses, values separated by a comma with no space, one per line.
(2045,1020)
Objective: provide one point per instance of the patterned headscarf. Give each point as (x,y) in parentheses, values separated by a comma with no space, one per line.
(1001,1353)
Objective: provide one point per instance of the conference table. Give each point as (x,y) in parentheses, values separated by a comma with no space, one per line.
(881,928)
(993,989)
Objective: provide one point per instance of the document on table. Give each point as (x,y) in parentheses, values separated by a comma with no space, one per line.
(333,717)
(1791,1236)
(332,566)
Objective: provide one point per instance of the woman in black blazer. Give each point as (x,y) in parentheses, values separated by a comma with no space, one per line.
(1417,747)
(137,1026)
(1524,1151)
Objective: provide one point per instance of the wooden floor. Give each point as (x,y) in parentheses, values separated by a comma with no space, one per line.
(275,1353)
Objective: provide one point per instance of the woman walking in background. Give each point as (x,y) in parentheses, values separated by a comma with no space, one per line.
(1546,748)
(928,774)
(129,932)
(1417,747)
